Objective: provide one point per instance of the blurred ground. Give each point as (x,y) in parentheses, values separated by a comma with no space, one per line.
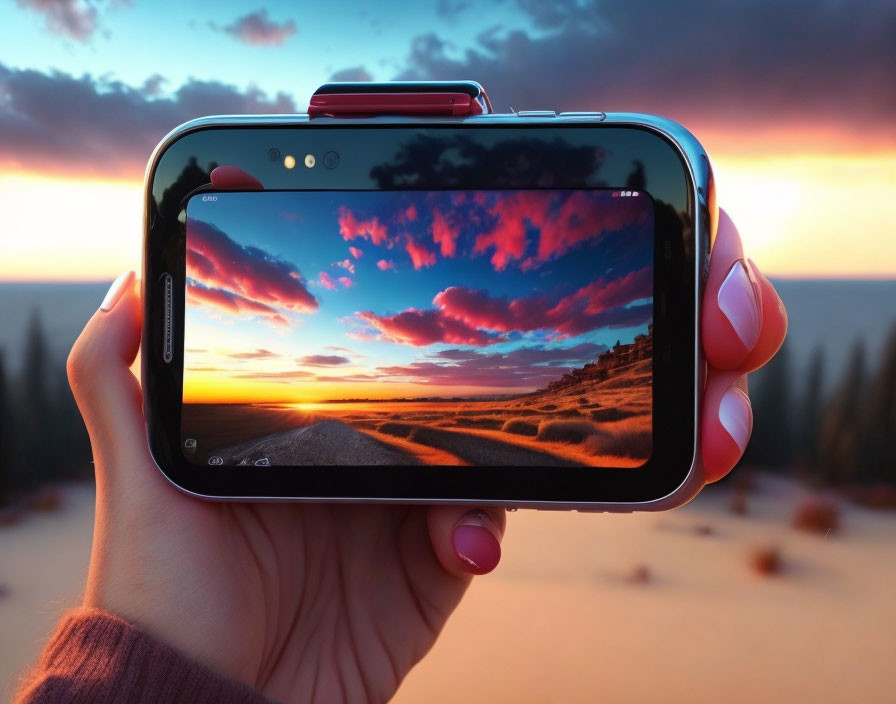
(563,619)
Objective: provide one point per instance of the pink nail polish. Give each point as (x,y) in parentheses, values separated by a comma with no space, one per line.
(116,290)
(475,544)
(740,301)
(736,416)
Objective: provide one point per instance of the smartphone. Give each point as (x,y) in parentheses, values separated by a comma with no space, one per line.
(489,309)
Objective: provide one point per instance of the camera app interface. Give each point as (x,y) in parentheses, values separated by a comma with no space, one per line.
(481,328)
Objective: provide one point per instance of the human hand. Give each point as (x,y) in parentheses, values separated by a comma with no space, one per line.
(313,601)
(743,325)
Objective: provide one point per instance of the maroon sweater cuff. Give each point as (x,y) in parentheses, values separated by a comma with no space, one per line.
(94,656)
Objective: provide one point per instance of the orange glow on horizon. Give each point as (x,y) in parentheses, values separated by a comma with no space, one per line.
(821,214)
(815,215)
(210,387)
(60,229)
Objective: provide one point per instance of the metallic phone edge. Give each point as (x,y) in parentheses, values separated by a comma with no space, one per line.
(700,172)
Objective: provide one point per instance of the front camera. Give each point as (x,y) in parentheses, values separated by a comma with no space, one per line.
(331,160)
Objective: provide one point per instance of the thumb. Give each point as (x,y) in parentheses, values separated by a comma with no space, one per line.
(466,541)
(107,393)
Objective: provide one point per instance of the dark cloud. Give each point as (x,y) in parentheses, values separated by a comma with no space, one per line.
(107,128)
(256,29)
(257,354)
(577,354)
(450,9)
(352,75)
(714,66)
(276,376)
(530,367)
(152,86)
(350,378)
(322,360)
(71,18)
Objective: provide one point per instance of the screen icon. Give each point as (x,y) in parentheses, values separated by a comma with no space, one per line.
(190,444)
(215,460)
(263,462)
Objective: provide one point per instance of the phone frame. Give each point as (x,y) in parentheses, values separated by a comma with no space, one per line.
(703,208)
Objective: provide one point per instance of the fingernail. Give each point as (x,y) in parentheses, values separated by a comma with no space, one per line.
(755,274)
(736,416)
(116,290)
(740,301)
(475,542)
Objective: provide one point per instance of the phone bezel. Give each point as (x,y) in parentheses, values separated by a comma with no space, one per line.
(672,478)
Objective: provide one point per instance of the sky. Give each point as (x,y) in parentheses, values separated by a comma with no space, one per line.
(795,103)
(304,297)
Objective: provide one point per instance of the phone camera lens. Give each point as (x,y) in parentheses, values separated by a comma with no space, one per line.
(331,160)
(274,154)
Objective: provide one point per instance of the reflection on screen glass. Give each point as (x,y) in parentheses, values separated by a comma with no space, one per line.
(419,327)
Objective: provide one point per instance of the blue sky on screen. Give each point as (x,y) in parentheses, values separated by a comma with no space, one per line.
(403,278)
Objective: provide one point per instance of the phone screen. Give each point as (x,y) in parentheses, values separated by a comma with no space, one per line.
(483,328)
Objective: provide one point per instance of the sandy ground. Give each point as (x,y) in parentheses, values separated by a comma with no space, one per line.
(559,621)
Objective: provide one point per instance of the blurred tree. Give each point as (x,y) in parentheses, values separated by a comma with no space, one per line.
(6,436)
(38,436)
(839,438)
(810,415)
(771,444)
(877,434)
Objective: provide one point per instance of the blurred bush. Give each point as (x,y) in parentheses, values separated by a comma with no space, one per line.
(42,437)
(846,441)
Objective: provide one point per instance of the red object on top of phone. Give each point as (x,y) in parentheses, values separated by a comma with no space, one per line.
(451,99)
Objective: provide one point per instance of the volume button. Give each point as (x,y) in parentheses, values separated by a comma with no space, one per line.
(536,113)
(168,321)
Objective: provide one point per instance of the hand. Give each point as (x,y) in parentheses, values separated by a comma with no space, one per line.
(743,325)
(311,602)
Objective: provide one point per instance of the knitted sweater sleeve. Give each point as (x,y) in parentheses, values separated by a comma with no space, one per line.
(94,656)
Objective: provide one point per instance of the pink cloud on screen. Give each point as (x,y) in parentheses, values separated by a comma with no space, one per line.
(425,327)
(444,234)
(384,265)
(411,213)
(345,281)
(355,252)
(578,217)
(350,227)
(216,261)
(508,236)
(420,256)
(582,217)
(326,281)
(233,303)
(347,265)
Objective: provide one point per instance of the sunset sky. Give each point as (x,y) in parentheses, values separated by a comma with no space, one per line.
(304,297)
(795,103)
